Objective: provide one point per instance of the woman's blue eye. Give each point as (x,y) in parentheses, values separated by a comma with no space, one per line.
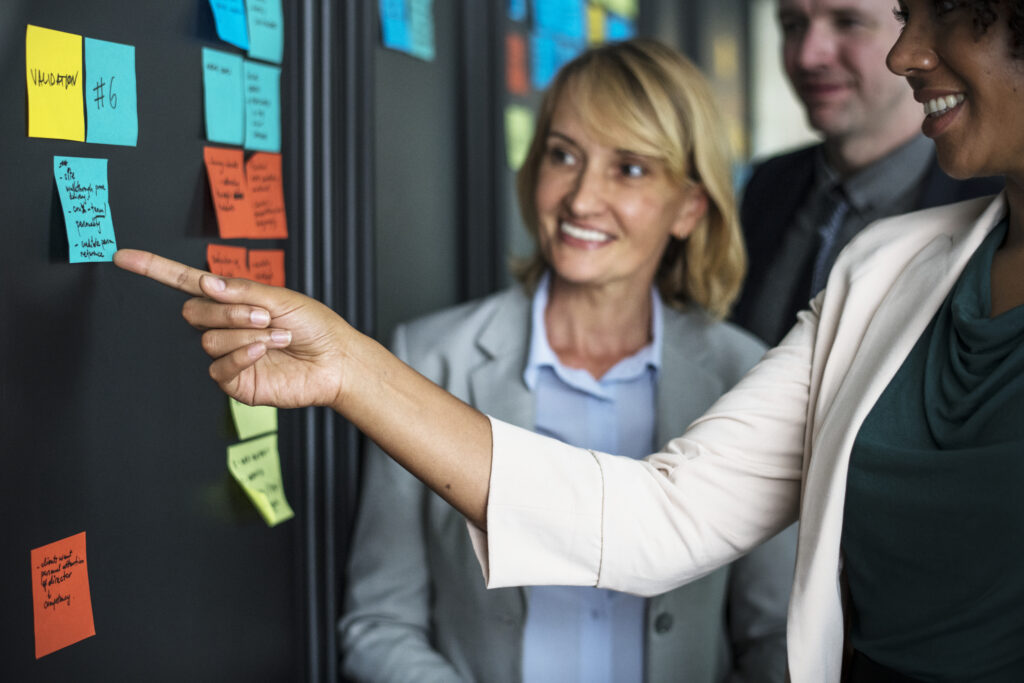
(633,170)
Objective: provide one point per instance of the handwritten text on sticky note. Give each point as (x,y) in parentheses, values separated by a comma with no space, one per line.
(227,261)
(82,186)
(54,81)
(267,266)
(225,169)
(256,465)
(262,107)
(110,93)
(229,18)
(223,97)
(266,193)
(61,603)
(266,30)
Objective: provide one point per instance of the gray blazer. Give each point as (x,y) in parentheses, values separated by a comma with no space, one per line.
(416,608)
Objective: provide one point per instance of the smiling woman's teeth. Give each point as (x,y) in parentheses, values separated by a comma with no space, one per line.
(940,105)
(583,233)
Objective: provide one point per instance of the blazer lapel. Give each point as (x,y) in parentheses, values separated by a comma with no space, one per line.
(497,384)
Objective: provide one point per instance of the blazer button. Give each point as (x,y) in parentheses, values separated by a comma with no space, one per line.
(663,623)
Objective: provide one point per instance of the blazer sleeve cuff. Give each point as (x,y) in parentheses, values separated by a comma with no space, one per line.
(540,531)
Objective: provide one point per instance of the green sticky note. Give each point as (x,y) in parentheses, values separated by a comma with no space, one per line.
(256,465)
(223,97)
(518,134)
(252,421)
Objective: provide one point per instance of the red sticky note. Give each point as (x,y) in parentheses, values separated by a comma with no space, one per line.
(516,80)
(267,266)
(225,169)
(266,194)
(61,604)
(227,261)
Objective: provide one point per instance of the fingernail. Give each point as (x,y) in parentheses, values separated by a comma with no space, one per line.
(281,337)
(259,317)
(217,284)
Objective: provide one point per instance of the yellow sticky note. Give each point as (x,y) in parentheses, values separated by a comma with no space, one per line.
(595,25)
(518,134)
(256,465)
(252,421)
(54,79)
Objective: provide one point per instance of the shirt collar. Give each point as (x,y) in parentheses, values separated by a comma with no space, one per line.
(541,354)
(882,182)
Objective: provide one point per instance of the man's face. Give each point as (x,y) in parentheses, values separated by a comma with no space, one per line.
(834,54)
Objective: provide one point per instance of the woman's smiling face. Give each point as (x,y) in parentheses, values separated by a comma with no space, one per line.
(970,86)
(606,214)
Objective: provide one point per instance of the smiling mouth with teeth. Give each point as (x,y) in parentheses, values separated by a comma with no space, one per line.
(940,105)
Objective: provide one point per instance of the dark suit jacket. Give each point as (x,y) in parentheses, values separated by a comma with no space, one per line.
(776,190)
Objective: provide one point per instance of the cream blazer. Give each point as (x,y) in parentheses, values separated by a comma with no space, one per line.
(774,448)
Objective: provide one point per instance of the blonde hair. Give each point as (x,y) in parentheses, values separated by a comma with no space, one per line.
(645,96)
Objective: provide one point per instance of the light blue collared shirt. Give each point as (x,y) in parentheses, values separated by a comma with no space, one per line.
(583,634)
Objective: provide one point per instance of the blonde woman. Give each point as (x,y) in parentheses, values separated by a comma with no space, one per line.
(612,342)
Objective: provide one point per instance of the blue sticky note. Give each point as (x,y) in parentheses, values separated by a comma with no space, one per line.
(421,29)
(266,30)
(394,24)
(563,18)
(619,28)
(84,196)
(229,16)
(517,10)
(224,96)
(110,100)
(262,107)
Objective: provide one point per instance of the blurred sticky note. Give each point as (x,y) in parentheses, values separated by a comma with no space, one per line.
(229,17)
(227,261)
(253,421)
(54,79)
(620,28)
(516,80)
(225,169)
(408,26)
(595,25)
(563,18)
(256,465)
(624,8)
(266,30)
(223,97)
(61,603)
(84,197)
(110,96)
(266,194)
(517,10)
(518,134)
(267,266)
(543,60)
(262,107)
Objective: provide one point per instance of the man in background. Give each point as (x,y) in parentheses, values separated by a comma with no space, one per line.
(799,209)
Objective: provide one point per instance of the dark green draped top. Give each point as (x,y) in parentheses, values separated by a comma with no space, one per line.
(933,532)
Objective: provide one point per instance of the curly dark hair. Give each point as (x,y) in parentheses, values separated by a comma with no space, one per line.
(984,14)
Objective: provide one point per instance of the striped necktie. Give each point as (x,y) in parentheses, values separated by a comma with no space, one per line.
(835,210)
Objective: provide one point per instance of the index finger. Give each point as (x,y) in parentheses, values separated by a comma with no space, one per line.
(163,270)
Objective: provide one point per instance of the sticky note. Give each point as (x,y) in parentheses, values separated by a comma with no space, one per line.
(543,60)
(421,29)
(225,169)
(223,97)
(564,18)
(84,197)
(227,261)
(394,24)
(61,604)
(229,17)
(266,30)
(54,80)
(517,10)
(516,80)
(267,266)
(518,134)
(256,465)
(595,25)
(624,8)
(620,28)
(262,107)
(253,421)
(266,194)
(110,99)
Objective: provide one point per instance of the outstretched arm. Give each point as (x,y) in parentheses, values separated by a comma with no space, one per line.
(274,346)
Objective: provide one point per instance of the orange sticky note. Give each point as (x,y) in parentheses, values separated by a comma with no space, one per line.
(227,261)
(61,604)
(267,266)
(226,170)
(515,65)
(266,193)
